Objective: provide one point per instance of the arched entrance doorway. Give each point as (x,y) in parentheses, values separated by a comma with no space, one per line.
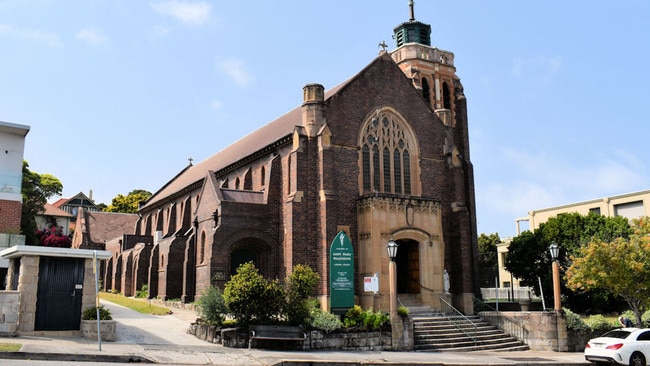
(408,267)
(241,256)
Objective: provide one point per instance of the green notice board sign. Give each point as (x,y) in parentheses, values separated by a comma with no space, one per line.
(341,274)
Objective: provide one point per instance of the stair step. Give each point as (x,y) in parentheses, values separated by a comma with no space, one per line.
(436,332)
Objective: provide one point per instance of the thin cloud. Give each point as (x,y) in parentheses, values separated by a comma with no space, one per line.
(195,14)
(49,38)
(551,180)
(159,31)
(216,104)
(235,69)
(540,69)
(92,36)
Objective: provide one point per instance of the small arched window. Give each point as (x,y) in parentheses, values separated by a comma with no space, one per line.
(248,180)
(263,176)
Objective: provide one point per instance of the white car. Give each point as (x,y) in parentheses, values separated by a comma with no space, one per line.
(624,346)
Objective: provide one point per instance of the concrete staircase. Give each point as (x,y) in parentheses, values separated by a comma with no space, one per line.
(437,332)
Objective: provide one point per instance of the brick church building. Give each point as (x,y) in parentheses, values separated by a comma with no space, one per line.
(382,156)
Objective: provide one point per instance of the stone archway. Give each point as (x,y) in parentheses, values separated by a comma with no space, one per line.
(255,249)
(242,256)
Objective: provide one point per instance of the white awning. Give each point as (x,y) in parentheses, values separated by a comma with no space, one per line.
(22,250)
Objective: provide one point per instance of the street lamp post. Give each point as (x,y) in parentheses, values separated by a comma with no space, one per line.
(555,252)
(392,276)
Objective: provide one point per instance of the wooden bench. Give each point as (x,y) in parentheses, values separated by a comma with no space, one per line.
(276,333)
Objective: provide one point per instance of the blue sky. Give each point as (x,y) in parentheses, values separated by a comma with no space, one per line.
(119,94)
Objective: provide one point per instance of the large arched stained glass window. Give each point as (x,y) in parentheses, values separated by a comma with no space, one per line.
(385,157)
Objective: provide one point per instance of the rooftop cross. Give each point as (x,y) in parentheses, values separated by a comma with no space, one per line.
(383,46)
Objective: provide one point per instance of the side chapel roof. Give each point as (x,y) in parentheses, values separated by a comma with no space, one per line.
(103,226)
(255,141)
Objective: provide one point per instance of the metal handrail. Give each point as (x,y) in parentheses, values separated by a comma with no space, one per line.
(503,322)
(449,311)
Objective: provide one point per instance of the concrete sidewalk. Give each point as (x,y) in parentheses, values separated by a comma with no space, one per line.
(164,340)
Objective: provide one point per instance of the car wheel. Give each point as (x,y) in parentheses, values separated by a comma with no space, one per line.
(637,359)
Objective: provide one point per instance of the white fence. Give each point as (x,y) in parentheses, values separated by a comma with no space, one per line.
(508,293)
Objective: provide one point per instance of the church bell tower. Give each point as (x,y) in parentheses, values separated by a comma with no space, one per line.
(431,69)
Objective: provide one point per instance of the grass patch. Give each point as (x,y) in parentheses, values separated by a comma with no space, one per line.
(10,347)
(141,306)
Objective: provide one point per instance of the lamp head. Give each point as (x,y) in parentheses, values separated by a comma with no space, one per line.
(392,249)
(555,251)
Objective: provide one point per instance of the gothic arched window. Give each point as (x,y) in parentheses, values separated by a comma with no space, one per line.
(385,156)
(202,248)
(426,92)
(446,96)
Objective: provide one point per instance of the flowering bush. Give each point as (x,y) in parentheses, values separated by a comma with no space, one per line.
(53,237)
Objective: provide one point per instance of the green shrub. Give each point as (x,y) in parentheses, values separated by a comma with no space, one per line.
(599,324)
(211,306)
(143,293)
(327,322)
(253,299)
(90,313)
(352,316)
(403,311)
(574,322)
(229,323)
(368,319)
(301,284)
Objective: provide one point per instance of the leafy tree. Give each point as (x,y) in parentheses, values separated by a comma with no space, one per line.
(573,230)
(251,298)
(36,190)
(488,263)
(211,306)
(528,256)
(300,285)
(621,267)
(128,203)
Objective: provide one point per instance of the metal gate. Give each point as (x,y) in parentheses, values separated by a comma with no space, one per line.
(58,299)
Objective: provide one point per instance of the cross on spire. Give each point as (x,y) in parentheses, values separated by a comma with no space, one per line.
(191,160)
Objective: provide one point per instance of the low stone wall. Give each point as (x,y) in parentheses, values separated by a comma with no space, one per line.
(316,339)
(353,341)
(9,305)
(545,330)
(108,329)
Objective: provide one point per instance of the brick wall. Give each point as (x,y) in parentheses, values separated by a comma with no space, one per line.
(10,212)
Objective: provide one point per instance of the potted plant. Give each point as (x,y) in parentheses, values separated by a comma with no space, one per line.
(89,323)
